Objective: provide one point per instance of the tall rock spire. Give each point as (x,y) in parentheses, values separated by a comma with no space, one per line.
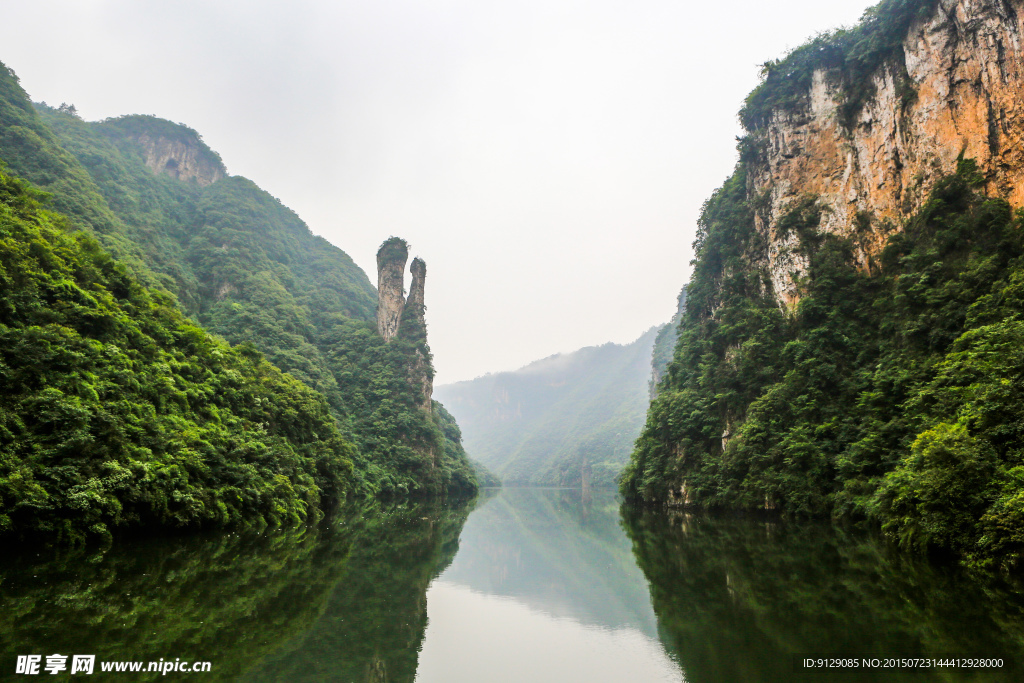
(391,258)
(397,316)
(414,327)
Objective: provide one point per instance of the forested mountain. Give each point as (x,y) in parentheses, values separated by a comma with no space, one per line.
(558,420)
(852,339)
(194,242)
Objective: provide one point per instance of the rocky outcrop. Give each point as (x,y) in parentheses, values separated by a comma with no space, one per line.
(391,258)
(180,159)
(955,89)
(420,374)
(414,306)
(398,315)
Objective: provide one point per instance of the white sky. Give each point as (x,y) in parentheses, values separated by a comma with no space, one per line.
(547,158)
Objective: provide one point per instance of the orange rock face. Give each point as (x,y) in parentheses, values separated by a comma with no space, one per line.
(965,68)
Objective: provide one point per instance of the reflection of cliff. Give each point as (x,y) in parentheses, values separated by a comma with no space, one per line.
(374,622)
(556,552)
(737,599)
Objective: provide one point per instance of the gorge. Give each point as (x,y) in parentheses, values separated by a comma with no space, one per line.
(222,442)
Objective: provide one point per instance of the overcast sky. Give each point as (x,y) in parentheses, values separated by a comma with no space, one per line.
(547,158)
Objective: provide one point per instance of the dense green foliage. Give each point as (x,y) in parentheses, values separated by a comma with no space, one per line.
(559,419)
(893,396)
(116,411)
(742,600)
(850,55)
(30,150)
(132,415)
(246,268)
(458,472)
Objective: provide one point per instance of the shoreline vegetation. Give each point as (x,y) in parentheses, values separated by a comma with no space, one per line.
(889,396)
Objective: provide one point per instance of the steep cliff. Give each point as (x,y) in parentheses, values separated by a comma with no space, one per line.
(421,375)
(851,335)
(870,150)
(172,149)
(423,425)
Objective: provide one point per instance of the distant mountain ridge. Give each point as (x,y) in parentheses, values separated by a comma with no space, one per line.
(560,420)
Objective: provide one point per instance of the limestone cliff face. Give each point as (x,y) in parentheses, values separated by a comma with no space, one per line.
(180,159)
(961,92)
(391,258)
(396,315)
(414,305)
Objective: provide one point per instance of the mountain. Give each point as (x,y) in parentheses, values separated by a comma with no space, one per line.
(851,340)
(117,411)
(190,255)
(559,421)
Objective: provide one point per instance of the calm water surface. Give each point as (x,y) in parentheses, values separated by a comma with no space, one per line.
(520,585)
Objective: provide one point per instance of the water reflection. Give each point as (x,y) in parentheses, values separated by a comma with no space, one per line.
(344,600)
(223,599)
(543,585)
(738,600)
(371,627)
(544,588)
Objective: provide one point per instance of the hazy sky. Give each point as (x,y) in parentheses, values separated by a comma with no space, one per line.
(547,158)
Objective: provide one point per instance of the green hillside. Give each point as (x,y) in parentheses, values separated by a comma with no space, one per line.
(547,423)
(116,411)
(245,268)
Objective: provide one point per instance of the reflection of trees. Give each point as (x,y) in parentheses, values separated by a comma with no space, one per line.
(352,591)
(373,624)
(737,599)
(220,598)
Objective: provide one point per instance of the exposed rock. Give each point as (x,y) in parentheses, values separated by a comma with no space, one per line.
(391,258)
(414,305)
(682,498)
(181,160)
(397,315)
(420,374)
(965,67)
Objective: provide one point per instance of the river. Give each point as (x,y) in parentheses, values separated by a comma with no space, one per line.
(520,585)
